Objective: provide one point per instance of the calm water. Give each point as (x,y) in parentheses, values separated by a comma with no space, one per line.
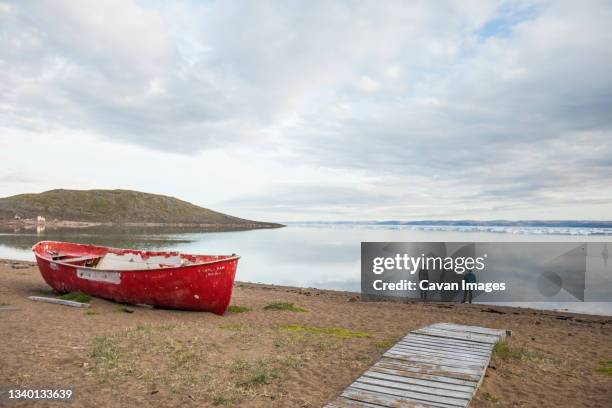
(321,256)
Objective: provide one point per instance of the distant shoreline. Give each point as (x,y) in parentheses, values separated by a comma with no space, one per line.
(474,223)
(33,224)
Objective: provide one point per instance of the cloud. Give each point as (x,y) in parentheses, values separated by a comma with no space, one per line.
(396,110)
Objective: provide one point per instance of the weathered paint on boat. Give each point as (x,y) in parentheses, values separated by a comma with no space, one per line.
(162,279)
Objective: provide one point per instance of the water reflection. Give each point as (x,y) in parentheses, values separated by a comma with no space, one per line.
(105,236)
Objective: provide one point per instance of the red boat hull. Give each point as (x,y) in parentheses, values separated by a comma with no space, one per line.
(200,283)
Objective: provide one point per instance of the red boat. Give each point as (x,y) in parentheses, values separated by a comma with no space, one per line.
(162,279)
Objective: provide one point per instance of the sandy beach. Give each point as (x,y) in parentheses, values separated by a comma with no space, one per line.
(118,356)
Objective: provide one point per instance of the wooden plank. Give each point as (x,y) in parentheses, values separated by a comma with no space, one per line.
(59,301)
(376,373)
(469,329)
(448,341)
(441,365)
(414,387)
(475,358)
(456,366)
(442,350)
(439,351)
(80,258)
(445,345)
(426,398)
(453,334)
(7,308)
(342,402)
(441,372)
(423,359)
(432,369)
(428,348)
(381,400)
(436,357)
(386,400)
(479,338)
(496,335)
(434,352)
(466,340)
(403,371)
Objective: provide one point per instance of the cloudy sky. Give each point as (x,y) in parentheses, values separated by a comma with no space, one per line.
(292,110)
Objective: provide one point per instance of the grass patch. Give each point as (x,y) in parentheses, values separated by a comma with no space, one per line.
(222,400)
(246,379)
(250,374)
(340,332)
(605,367)
(269,354)
(124,309)
(150,354)
(490,397)
(239,309)
(91,313)
(188,360)
(505,352)
(290,307)
(4,304)
(384,344)
(76,297)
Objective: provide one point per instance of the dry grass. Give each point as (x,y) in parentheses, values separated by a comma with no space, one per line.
(76,297)
(385,344)
(290,307)
(340,332)
(238,309)
(151,355)
(490,397)
(506,352)
(605,367)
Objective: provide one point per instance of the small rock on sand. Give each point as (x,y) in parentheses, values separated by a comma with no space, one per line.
(20,266)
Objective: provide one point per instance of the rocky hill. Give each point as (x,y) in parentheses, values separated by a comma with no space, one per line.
(116,207)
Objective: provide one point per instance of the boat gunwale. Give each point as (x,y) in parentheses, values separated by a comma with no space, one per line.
(164,268)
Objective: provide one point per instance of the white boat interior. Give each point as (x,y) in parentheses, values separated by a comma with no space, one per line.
(131,262)
(123,262)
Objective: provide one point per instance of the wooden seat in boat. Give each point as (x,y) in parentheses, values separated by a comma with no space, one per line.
(80,258)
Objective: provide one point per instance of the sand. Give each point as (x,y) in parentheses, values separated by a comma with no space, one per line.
(261,358)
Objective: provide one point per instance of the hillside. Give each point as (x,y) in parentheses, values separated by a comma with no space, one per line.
(117,207)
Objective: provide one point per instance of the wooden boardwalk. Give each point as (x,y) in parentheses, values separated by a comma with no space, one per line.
(441,365)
